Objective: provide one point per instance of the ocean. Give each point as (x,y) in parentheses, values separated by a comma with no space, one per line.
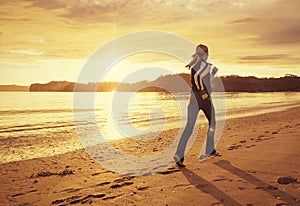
(37,124)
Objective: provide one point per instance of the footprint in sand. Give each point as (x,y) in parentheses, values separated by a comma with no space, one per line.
(69,190)
(111,197)
(87,198)
(267,188)
(47,174)
(249,146)
(234,147)
(95,174)
(18,194)
(222,179)
(282,204)
(78,199)
(121,185)
(169,171)
(141,188)
(103,183)
(123,179)
(68,199)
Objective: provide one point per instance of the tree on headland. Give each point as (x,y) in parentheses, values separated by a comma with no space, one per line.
(170,83)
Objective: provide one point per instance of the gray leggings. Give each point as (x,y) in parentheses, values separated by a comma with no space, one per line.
(195,105)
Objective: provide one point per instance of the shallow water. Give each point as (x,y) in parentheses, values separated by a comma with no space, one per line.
(29,121)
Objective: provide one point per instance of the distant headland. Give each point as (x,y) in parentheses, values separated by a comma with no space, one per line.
(232,83)
(14,88)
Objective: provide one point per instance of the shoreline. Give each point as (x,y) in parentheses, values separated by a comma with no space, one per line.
(76,144)
(256,152)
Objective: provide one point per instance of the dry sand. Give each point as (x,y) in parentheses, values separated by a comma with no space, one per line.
(257,153)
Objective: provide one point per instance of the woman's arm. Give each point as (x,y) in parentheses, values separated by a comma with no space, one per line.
(203,74)
(214,70)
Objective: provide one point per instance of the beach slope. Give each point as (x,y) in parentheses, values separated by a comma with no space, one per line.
(260,165)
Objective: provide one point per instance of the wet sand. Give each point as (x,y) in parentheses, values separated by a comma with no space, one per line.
(260,165)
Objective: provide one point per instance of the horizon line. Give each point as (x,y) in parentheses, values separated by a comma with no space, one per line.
(225,76)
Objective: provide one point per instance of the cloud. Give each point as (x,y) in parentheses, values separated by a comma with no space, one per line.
(29,52)
(135,12)
(14,19)
(114,11)
(75,28)
(265,57)
(243,20)
(281,32)
(277,59)
(239,33)
(131,12)
(53,4)
(274,25)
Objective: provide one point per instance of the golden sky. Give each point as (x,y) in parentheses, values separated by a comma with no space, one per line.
(44,40)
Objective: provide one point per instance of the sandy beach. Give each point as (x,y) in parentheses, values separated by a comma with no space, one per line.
(260,165)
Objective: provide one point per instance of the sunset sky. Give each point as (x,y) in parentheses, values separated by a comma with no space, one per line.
(44,40)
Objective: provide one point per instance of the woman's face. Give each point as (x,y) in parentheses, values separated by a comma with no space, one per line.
(199,50)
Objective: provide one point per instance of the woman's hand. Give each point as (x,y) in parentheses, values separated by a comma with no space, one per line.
(188,66)
(214,70)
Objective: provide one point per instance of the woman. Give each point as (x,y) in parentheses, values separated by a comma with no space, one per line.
(199,100)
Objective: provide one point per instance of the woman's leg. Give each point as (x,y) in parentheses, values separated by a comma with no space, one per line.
(209,111)
(193,110)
